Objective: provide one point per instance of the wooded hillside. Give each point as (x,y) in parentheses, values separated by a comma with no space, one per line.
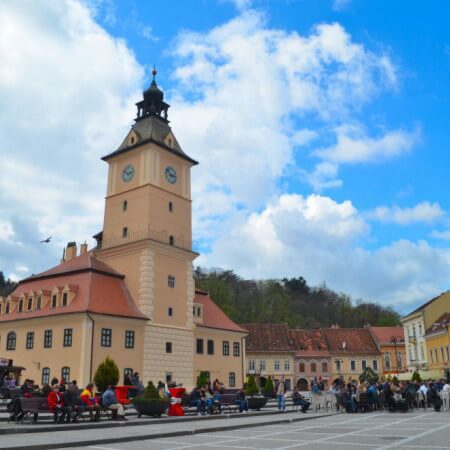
(291,301)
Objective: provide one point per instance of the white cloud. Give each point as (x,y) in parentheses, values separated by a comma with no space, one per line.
(323,241)
(339,5)
(444,235)
(355,146)
(67,90)
(424,212)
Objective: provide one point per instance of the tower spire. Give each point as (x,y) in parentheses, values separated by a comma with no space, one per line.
(153,103)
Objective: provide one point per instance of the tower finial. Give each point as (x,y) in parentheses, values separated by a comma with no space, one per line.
(154,72)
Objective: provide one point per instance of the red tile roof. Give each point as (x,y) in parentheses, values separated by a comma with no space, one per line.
(213,316)
(97,287)
(357,340)
(268,337)
(384,335)
(309,342)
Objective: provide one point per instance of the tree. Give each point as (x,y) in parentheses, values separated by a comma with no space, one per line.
(416,377)
(251,388)
(202,379)
(107,373)
(268,387)
(369,375)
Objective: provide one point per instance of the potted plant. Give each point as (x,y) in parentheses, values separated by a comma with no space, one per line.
(254,399)
(269,389)
(150,403)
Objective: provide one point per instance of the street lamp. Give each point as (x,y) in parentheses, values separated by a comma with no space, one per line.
(394,340)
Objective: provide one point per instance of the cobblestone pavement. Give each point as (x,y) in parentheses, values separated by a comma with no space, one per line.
(378,431)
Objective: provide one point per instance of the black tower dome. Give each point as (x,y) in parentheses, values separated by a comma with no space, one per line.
(153,103)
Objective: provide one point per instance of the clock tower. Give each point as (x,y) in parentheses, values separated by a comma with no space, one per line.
(147,236)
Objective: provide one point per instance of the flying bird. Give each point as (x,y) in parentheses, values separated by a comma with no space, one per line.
(46,240)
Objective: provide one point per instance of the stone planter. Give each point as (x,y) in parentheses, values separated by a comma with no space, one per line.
(257,402)
(152,408)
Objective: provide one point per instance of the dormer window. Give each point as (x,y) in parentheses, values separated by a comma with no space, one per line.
(8,308)
(39,302)
(54,300)
(132,140)
(21,305)
(64,299)
(171,240)
(30,304)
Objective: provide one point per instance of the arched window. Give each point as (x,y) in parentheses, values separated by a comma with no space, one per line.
(171,240)
(324,367)
(65,373)
(301,367)
(11,341)
(232,379)
(313,367)
(45,375)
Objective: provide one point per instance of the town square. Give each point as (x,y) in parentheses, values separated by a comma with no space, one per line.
(224,224)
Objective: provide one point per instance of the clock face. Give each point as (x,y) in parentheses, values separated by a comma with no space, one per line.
(171,175)
(128,173)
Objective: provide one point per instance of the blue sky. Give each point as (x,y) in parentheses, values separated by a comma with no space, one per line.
(320,127)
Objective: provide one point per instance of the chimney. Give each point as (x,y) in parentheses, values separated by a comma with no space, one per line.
(83,248)
(71,251)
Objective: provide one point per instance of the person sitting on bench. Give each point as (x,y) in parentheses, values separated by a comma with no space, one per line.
(56,404)
(299,400)
(90,402)
(110,401)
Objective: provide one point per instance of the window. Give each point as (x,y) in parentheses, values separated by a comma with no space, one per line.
(200,346)
(45,375)
(54,300)
(364,364)
(170,207)
(399,360)
(313,367)
(129,339)
(171,240)
(375,364)
(124,232)
(132,140)
(301,367)
(338,365)
(251,365)
(236,349)
(422,353)
(171,281)
(387,360)
(106,337)
(448,353)
(210,347)
(324,367)
(436,354)
(168,347)
(64,299)
(232,379)
(420,330)
(65,373)
(287,365)
(431,355)
(170,312)
(352,365)
(262,365)
(442,353)
(276,365)
(226,348)
(128,371)
(8,307)
(30,340)
(30,304)
(67,340)
(21,305)
(124,205)
(48,334)
(39,302)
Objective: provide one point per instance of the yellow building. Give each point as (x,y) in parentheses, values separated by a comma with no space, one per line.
(437,339)
(133,297)
(415,324)
(270,353)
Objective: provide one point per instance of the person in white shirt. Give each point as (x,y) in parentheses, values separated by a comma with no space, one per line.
(424,389)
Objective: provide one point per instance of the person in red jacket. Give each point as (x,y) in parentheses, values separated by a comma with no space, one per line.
(56,404)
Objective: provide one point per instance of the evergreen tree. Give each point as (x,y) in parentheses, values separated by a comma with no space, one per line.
(107,373)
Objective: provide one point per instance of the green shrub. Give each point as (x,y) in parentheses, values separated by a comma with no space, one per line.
(369,375)
(251,387)
(107,373)
(150,394)
(202,379)
(416,377)
(394,379)
(269,387)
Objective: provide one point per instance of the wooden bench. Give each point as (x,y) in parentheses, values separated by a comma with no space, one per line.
(32,406)
(228,399)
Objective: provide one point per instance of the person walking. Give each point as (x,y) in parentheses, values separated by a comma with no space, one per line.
(281,390)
